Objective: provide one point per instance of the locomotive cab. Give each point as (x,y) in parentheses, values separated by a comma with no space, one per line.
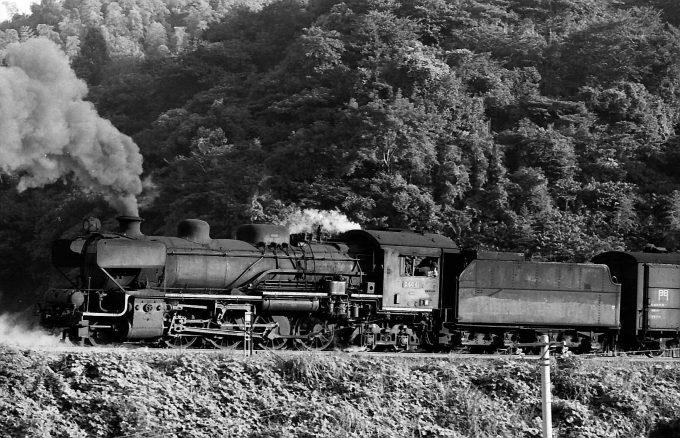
(405,266)
(409,271)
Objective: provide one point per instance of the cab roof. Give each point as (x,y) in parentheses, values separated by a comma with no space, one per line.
(639,257)
(381,238)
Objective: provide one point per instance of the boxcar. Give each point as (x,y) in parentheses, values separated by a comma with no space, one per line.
(650,297)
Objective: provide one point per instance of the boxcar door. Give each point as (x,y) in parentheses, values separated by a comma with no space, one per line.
(661,303)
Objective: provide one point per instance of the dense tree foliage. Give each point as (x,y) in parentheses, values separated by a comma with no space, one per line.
(544,127)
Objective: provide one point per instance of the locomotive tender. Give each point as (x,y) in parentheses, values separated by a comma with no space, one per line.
(379,289)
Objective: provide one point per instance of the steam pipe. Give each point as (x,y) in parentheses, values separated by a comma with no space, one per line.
(111,315)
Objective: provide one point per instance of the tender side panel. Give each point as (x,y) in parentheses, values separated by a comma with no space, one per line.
(555,294)
(663,297)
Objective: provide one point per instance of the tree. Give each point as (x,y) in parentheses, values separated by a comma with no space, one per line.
(532,146)
(632,45)
(529,191)
(156,40)
(218,182)
(91,13)
(630,109)
(48,32)
(89,65)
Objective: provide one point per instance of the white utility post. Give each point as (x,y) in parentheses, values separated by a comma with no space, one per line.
(545,387)
(248,332)
(546,397)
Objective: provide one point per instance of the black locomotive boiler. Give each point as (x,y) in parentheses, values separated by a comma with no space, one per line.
(179,290)
(379,289)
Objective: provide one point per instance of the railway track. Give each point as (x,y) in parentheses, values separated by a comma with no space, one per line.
(64,348)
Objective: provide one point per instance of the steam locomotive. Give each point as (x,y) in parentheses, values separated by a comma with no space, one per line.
(398,290)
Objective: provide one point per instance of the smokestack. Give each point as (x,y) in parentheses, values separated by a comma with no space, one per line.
(130,226)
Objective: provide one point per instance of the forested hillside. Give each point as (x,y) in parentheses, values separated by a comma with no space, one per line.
(540,126)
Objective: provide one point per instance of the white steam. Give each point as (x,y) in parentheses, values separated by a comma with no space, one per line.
(150,192)
(48,131)
(301,221)
(15,332)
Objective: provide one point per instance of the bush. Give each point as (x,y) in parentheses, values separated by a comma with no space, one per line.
(142,393)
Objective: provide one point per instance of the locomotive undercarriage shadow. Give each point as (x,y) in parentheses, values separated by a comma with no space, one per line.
(302,331)
(268,332)
(316,332)
(657,347)
(313,332)
(490,341)
(385,335)
(188,330)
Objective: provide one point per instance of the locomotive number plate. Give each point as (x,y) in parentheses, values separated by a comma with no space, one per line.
(411,284)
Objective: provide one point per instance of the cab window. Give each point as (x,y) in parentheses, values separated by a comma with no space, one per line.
(412,266)
(408,265)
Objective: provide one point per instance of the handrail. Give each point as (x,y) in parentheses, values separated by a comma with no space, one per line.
(111,315)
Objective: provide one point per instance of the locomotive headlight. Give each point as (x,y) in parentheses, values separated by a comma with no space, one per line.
(91,225)
(77,298)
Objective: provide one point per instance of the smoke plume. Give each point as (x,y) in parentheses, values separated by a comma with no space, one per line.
(14,331)
(309,220)
(49,131)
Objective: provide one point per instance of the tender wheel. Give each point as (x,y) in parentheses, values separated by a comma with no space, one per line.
(672,348)
(269,340)
(318,334)
(653,350)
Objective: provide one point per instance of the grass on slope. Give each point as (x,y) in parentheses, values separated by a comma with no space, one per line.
(156,394)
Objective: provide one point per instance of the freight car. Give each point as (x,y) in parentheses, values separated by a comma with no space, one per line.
(650,298)
(380,289)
